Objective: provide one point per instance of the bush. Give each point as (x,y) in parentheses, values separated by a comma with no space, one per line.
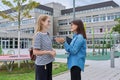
(108,45)
(59,46)
(0,50)
(97,46)
(55,46)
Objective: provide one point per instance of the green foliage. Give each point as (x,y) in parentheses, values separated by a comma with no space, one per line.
(24,73)
(0,50)
(108,45)
(117,26)
(22,10)
(7,3)
(59,67)
(100,47)
(6,16)
(55,46)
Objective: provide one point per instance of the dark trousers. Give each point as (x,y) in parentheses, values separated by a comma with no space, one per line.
(75,73)
(43,72)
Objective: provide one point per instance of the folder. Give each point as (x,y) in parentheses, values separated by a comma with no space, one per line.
(68,39)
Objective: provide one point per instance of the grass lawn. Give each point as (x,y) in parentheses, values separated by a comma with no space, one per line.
(28,74)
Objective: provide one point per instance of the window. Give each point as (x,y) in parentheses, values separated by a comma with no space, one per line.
(41,11)
(88,19)
(63,33)
(16,44)
(70,32)
(88,30)
(95,18)
(110,16)
(11,43)
(28,30)
(69,21)
(87,42)
(28,21)
(102,17)
(63,22)
(101,30)
(117,15)
(15,23)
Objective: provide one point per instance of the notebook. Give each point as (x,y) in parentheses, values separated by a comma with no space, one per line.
(68,39)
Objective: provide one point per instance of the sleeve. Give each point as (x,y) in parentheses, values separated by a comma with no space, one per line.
(37,41)
(73,49)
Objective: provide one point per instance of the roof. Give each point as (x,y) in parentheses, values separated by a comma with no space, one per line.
(92,6)
(39,7)
(45,8)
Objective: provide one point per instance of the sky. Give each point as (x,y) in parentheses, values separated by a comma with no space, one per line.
(67,3)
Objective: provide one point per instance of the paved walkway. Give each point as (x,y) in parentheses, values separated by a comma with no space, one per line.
(97,70)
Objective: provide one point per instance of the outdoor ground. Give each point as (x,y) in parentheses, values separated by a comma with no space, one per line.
(24,73)
(97,70)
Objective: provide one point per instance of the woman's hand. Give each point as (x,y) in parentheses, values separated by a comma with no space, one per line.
(53,53)
(60,40)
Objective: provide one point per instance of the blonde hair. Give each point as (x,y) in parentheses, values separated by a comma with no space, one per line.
(39,25)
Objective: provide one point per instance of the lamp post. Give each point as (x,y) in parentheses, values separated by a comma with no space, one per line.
(112,53)
(112,57)
(73,9)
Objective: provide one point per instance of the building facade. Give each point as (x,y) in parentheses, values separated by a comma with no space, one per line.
(98,18)
(8,29)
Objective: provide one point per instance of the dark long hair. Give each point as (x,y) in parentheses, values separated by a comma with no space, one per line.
(80,28)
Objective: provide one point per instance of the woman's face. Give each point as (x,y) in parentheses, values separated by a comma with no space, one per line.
(46,23)
(73,27)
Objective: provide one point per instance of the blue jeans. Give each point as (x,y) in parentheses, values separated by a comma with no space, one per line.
(43,72)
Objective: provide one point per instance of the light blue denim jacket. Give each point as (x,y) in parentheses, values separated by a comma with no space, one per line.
(76,51)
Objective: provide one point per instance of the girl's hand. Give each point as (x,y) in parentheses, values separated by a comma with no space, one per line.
(53,53)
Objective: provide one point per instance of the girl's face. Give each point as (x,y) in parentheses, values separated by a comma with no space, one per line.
(73,27)
(46,23)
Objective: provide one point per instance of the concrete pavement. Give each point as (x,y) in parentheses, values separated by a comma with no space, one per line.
(97,70)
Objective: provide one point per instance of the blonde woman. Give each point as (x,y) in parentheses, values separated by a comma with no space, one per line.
(42,48)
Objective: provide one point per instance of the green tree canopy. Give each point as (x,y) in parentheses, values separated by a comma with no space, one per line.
(117,26)
(20,10)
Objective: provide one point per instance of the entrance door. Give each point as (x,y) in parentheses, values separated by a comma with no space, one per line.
(5,44)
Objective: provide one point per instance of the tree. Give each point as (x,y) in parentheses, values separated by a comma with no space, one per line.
(22,11)
(93,35)
(0,50)
(117,26)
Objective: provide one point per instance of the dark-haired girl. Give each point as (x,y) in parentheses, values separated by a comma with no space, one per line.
(76,49)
